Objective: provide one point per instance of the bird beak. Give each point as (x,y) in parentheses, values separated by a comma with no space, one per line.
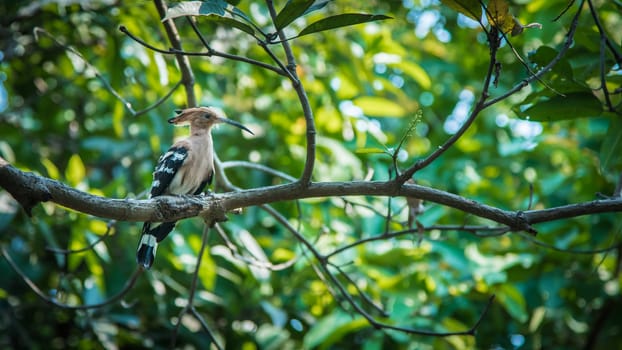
(234,123)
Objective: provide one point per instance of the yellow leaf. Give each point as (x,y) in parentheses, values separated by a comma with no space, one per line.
(98,227)
(117,119)
(52,170)
(379,107)
(499,15)
(75,171)
(282,254)
(416,72)
(369,150)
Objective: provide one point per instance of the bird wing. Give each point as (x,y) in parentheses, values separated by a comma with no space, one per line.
(168,165)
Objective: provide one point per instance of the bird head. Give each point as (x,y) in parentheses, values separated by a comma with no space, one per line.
(203,117)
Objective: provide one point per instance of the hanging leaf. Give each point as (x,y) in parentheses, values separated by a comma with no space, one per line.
(343,20)
(213,10)
(196,8)
(571,106)
(237,12)
(292,10)
(499,15)
(469,8)
(230,22)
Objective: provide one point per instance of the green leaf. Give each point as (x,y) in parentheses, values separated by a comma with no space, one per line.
(75,171)
(379,107)
(214,10)
(544,55)
(453,256)
(342,20)
(239,13)
(230,22)
(332,328)
(513,301)
(196,8)
(469,8)
(610,158)
(292,10)
(571,106)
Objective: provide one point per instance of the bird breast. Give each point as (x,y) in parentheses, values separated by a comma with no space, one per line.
(196,168)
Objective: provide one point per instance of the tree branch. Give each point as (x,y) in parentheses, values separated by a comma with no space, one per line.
(30,189)
(187,76)
(209,53)
(493,39)
(305,177)
(567,44)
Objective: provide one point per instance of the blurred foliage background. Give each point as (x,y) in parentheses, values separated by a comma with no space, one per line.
(366,85)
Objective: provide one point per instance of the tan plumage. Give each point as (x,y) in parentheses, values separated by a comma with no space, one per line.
(186,168)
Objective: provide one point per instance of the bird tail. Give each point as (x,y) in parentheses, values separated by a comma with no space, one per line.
(149,239)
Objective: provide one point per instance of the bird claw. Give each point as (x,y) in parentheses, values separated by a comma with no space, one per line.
(207,193)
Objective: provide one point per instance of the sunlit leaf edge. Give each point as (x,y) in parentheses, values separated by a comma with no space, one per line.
(342,20)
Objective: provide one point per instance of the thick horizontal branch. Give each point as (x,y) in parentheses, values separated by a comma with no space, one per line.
(29,189)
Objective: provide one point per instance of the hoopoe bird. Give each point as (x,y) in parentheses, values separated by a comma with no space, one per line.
(186,168)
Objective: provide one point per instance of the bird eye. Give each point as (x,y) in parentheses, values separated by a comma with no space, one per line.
(207,115)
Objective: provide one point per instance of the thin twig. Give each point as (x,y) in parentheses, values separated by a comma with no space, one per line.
(568,6)
(604,41)
(259,167)
(69,48)
(323,261)
(387,219)
(612,47)
(516,54)
(106,84)
(480,105)
(381,325)
(366,298)
(567,44)
(571,251)
(109,226)
(213,52)
(160,101)
(496,231)
(233,249)
(128,285)
(189,308)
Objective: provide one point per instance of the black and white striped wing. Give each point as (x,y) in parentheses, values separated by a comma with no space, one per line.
(168,165)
